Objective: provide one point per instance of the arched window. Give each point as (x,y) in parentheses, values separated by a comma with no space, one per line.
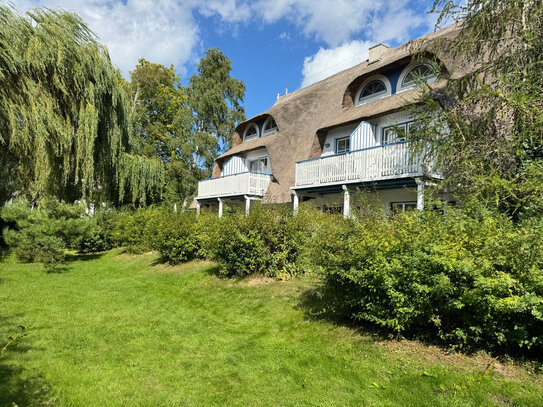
(373,88)
(251,132)
(270,127)
(414,73)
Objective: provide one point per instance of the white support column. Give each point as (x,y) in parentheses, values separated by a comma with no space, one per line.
(420,194)
(197,207)
(247,205)
(346,202)
(220,207)
(295,201)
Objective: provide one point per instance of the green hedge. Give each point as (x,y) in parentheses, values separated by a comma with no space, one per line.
(467,277)
(271,240)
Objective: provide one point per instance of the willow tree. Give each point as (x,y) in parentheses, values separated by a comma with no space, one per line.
(486,126)
(65,127)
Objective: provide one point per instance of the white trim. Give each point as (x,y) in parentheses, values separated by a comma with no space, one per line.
(270,131)
(381,95)
(342,139)
(247,129)
(409,68)
(258,160)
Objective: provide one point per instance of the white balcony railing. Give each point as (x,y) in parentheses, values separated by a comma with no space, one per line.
(246,183)
(384,162)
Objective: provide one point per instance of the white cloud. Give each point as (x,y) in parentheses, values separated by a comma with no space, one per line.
(165,31)
(161,31)
(395,25)
(338,22)
(327,62)
(333,22)
(232,11)
(285,36)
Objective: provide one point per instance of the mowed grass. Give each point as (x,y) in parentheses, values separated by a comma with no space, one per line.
(120,330)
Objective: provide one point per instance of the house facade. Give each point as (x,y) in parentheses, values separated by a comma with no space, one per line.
(344,133)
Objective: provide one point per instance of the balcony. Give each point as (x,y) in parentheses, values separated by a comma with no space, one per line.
(246,183)
(386,162)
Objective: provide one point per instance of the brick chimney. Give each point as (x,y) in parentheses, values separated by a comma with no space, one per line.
(376,52)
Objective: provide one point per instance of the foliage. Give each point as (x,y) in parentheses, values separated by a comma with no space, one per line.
(470,277)
(43,233)
(217,102)
(485,128)
(269,241)
(162,118)
(100,236)
(65,126)
(183,237)
(136,229)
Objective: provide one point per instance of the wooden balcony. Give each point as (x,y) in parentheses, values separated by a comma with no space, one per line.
(246,183)
(386,162)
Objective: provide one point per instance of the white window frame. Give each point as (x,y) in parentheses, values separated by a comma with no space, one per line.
(251,126)
(430,79)
(393,128)
(403,205)
(271,131)
(262,164)
(378,96)
(338,140)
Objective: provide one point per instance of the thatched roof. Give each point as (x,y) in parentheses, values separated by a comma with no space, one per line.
(303,115)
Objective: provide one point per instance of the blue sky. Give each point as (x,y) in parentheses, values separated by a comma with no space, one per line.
(273,44)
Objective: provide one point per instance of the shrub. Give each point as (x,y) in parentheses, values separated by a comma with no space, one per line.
(469,277)
(43,233)
(269,241)
(180,237)
(100,236)
(136,229)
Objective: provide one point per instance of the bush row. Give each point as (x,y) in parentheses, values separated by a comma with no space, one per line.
(468,277)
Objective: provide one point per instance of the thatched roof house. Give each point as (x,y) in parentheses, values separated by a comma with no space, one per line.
(304,119)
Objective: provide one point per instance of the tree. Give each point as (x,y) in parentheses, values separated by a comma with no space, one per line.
(217,102)
(486,127)
(65,127)
(162,125)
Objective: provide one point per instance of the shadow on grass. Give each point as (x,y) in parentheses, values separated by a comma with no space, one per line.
(209,266)
(318,305)
(17,387)
(83,257)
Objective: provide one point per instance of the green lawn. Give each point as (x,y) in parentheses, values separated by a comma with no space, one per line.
(123,330)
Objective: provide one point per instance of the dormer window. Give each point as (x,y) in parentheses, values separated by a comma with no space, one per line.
(270,127)
(415,73)
(251,133)
(372,89)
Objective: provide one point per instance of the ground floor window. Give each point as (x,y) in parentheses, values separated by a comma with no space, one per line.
(402,206)
(337,209)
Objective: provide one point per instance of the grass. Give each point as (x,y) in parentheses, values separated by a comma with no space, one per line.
(120,330)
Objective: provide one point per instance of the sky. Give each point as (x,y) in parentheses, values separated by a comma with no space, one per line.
(274,45)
